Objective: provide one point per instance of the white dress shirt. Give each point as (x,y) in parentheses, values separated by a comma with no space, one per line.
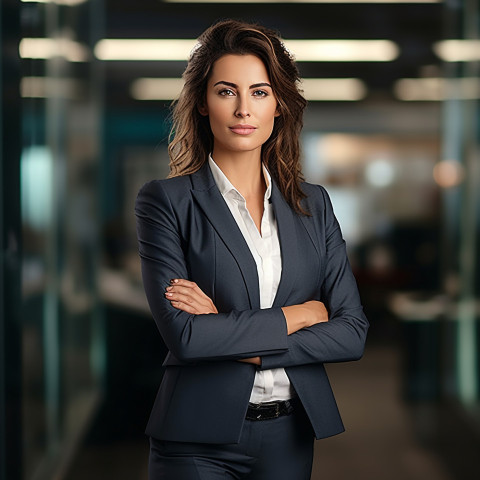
(269,385)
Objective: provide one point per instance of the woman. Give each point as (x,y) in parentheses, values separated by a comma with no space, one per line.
(245,271)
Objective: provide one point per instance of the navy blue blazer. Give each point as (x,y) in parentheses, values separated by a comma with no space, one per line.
(185,230)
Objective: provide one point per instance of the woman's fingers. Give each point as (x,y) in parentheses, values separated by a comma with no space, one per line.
(187,304)
(181,282)
(185,307)
(189,297)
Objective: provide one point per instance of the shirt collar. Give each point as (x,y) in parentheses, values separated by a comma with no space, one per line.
(224,184)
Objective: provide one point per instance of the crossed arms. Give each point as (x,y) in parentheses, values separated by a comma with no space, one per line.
(192,328)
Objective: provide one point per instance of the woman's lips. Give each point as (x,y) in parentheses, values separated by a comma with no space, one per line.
(242,129)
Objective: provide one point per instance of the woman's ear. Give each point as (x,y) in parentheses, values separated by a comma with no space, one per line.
(277,111)
(202,109)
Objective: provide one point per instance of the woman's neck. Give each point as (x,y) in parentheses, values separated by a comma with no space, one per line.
(244,170)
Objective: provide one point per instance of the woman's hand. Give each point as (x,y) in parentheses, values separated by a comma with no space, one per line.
(188,296)
(304,315)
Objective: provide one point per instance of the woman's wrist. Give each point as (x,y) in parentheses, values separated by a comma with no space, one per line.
(295,318)
(304,315)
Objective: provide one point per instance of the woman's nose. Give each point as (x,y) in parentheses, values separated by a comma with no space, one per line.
(242,109)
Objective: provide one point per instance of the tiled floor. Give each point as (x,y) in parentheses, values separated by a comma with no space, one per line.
(379,443)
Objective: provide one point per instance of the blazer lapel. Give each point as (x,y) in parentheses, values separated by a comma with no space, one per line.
(213,205)
(287,233)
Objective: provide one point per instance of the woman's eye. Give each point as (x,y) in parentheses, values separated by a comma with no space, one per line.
(260,93)
(226,92)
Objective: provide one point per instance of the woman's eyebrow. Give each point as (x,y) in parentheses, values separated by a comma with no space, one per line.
(264,84)
(229,84)
(233,85)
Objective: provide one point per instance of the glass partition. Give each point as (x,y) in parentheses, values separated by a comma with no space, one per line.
(62,327)
(461,198)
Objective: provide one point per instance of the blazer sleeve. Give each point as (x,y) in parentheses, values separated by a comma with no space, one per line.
(343,337)
(190,338)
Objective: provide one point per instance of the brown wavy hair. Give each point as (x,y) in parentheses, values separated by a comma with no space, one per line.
(191,136)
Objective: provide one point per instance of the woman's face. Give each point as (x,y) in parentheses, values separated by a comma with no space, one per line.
(240,104)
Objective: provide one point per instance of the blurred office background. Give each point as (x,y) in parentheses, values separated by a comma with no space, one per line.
(392,131)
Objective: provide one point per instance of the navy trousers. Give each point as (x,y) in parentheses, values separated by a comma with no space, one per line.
(279,449)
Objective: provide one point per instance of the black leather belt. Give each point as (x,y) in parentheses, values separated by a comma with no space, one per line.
(271,410)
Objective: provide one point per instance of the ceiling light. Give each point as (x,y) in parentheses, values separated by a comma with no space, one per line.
(343,50)
(333,89)
(458,50)
(437,89)
(303,50)
(144,49)
(45,48)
